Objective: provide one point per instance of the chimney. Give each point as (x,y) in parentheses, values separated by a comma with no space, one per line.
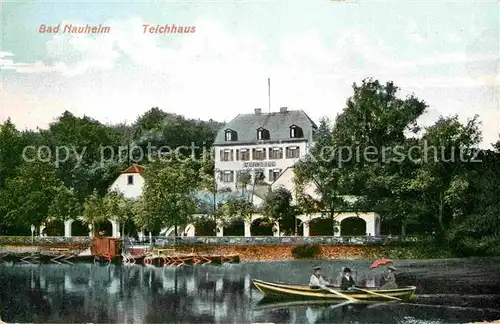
(258,111)
(283,109)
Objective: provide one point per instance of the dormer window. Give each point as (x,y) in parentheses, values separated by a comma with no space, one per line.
(262,134)
(296,132)
(231,135)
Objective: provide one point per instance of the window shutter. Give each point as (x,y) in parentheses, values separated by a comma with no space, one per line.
(237,155)
(222,155)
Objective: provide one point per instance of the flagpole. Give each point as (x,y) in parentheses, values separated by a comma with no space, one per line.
(269,92)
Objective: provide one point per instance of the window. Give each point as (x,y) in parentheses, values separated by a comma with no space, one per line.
(231,135)
(259,175)
(262,134)
(275,153)
(228,176)
(243,154)
(292,152)
(259,154)
(296,132)
(130,180)
(226,155)
(274,174)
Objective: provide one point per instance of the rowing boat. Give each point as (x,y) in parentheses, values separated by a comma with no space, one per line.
(266,303)
(287,291)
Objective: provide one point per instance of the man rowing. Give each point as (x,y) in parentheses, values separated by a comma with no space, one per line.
(316,280)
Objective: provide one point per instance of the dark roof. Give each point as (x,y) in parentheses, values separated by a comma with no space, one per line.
(277,123)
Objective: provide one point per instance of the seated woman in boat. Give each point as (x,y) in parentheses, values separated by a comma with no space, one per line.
(347,281)
(388,280)
(316,280)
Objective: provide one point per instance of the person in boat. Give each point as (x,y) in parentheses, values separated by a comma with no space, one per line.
(347,282)
(388,280)
(316,280)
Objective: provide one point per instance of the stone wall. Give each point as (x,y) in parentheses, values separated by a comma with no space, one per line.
(282,252)
(249,248)
(48,241)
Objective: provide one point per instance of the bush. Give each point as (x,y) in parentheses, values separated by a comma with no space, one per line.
(306,251)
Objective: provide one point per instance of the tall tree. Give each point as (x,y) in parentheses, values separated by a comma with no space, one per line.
(170,191)
(28,195)
(357,156)
(447,147)
(11,148)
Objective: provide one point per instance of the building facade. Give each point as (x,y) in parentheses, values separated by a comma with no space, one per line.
(130,182)
(263,144)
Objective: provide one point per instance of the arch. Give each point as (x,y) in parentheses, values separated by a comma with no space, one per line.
(189,230)
(204,227)
(353,226)
(261,227)
(370,218)
(54,227)
(79,228)
(321,227)
(104,226)
(235,228)
(170,231)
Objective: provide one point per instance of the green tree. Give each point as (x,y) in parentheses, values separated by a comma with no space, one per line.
(243,180)
(447,148)
(144,218)
(236,208)
(342,161)
(278,208)
(27,196)
(11,148)
(170,191)
(94,210)
(92,150)
(209,183)
(118,208)
(65,205)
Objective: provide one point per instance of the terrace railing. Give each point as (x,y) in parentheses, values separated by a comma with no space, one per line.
(226,240)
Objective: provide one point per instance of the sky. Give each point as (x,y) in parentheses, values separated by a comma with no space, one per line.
(446,53)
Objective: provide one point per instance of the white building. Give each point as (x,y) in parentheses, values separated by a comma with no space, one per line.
(130,182)
(263,143)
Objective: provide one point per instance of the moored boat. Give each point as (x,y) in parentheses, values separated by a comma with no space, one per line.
(287,291)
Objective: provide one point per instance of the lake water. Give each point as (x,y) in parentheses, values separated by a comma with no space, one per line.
(449,291)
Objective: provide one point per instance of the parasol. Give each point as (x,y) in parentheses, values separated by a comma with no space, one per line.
(380,262)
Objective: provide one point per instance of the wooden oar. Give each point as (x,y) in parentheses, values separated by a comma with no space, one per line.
(376,294)
(349,298)
(341,304)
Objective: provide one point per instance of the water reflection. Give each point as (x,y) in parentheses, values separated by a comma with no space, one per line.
(224,294)
(123,294)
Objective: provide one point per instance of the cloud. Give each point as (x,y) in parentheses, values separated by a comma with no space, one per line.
(416,38)
(216,73)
